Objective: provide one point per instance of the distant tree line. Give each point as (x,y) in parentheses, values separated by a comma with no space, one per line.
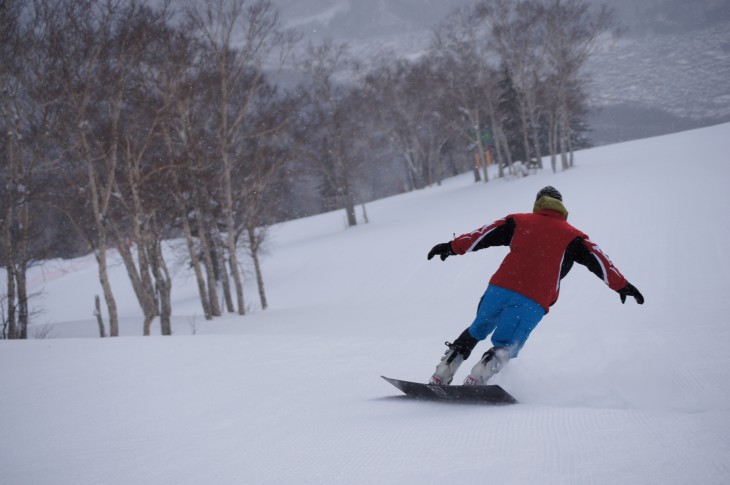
(124,124)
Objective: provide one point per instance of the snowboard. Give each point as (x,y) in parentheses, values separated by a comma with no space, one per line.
(491,394)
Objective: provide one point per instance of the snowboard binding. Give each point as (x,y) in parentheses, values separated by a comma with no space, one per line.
(455,355)
(491,362)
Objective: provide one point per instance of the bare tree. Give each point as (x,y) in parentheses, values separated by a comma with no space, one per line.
(178,82)
(410,108)
(465,48)
(13,48)
(93,103)
(519,34)
(329,140)
(135,224)
(264,157)
(181,81)
(29,108)
(573,29)
(242,36)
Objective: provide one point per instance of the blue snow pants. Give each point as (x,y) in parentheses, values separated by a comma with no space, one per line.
(509,315)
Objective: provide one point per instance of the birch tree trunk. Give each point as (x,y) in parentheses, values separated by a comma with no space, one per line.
(564,134)
(221,271)
(553,137)
(11,320)
(205,250)
(140,279)
(163,286)
(195,261)
(99,203)
(253,241)
(111,303)
(231,234)
(23,313)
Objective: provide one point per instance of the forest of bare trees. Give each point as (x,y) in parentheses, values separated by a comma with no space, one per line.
(125,124)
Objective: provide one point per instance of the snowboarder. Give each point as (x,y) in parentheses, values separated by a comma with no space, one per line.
(543,248)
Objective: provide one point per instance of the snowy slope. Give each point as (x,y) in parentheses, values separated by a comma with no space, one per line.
(609,392)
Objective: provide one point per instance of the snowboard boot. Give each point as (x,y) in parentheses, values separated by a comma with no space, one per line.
(456,354)
(491,362)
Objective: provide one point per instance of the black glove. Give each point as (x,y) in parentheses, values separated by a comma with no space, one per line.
(444,250)
(630,290)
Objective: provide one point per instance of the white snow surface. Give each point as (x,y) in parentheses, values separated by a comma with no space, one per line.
(609,393)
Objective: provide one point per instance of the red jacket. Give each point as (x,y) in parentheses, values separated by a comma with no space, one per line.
(543,248)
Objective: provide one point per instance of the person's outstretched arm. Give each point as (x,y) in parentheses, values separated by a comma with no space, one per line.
(498,233)
(586,252)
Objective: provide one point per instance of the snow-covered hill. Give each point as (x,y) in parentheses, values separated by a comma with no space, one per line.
(608,392)
(667,73)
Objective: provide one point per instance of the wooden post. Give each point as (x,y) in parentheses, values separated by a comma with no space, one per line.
(99,319)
